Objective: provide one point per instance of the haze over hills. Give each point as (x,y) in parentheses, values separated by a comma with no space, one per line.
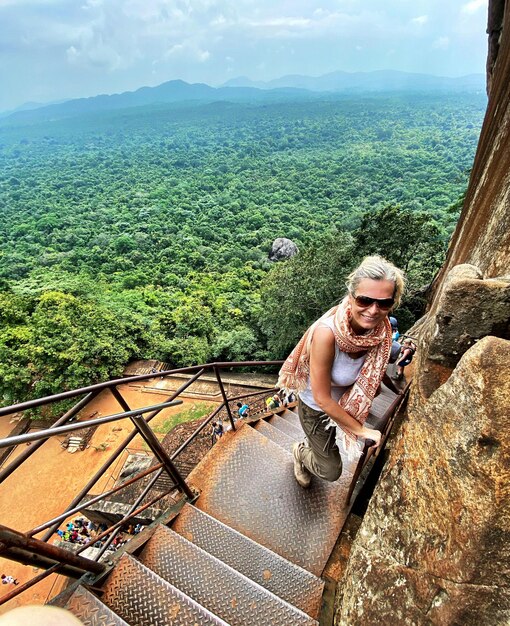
(170,92)
(381,80)
(243,89)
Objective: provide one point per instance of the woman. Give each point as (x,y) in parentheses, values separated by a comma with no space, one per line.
(338,365)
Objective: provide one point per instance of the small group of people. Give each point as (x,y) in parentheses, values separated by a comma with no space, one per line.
(283,398)
(337,367)
(9,580)
(78,531)
(217,429)
(120,539)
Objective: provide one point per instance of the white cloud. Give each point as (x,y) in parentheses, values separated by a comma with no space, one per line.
(422,19)
(97,55)
(441,43)
(473,6)
(286,22)
(174,50)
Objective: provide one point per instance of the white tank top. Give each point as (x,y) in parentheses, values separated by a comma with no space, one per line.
(344,372)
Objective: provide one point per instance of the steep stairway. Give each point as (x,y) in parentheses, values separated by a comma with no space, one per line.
(250,550)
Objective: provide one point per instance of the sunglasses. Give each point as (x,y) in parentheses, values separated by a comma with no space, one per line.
(383,303)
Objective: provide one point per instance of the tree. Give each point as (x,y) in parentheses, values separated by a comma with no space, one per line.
(298,291)
(414,242)
(239,344)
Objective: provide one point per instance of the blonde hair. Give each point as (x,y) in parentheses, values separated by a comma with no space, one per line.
(377,268)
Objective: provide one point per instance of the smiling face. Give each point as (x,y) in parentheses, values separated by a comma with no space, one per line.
(366,318)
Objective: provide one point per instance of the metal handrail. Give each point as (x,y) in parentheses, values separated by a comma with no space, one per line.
(64,395)
(27,453)
(99,473)
(136,415)
(51,432)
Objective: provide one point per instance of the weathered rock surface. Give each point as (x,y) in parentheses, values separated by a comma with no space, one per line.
(282,248)
(434,546)
(467,309)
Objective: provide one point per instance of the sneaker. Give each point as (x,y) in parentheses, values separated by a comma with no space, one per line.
(301,474)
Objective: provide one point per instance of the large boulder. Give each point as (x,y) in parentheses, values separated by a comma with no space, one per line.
(434,546)
(282,248)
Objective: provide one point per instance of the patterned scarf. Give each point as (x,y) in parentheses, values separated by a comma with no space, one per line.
(358,399)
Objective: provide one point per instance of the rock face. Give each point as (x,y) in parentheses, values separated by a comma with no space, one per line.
(438,528)
(482,237)
(282,248)
(434,546)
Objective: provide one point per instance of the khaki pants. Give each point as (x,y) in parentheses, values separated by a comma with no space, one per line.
(320,455)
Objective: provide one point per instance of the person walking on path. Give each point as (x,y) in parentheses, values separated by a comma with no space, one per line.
(217,431)
(337,368)
(243,410)
(273,402)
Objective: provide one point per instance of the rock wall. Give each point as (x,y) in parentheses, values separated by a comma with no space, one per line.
(434,546)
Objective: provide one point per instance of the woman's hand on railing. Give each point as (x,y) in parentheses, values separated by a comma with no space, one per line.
(372,437)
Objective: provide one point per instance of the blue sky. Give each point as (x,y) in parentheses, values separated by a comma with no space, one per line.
(57,49)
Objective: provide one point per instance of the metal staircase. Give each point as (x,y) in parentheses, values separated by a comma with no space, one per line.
(249,551)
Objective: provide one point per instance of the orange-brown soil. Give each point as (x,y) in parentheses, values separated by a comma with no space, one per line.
(47,482)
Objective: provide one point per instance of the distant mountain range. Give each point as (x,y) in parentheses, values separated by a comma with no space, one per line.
(383,80)
(244,90)
(173,91)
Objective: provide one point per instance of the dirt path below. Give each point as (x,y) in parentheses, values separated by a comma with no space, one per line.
(46,483)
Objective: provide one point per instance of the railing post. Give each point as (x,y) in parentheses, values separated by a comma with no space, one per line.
(144,429)
(120,399)
(154,445)
(224,396)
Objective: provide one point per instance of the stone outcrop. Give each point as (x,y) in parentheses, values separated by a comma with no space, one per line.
(438,527)
(467,309)
(282,248)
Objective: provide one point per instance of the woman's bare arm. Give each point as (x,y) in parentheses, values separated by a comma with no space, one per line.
(322,354)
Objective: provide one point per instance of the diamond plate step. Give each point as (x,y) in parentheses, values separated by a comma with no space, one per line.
(143,598)
(286,580)
(215,585)
(91,611)
(274,434)
(286,427)
(249,485)
(291,417)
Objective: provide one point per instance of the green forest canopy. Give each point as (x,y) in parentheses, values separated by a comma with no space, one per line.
(145,233)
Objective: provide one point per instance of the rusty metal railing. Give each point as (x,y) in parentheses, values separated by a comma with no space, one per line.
(24,547)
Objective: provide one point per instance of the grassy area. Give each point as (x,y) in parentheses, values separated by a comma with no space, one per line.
(190,413)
